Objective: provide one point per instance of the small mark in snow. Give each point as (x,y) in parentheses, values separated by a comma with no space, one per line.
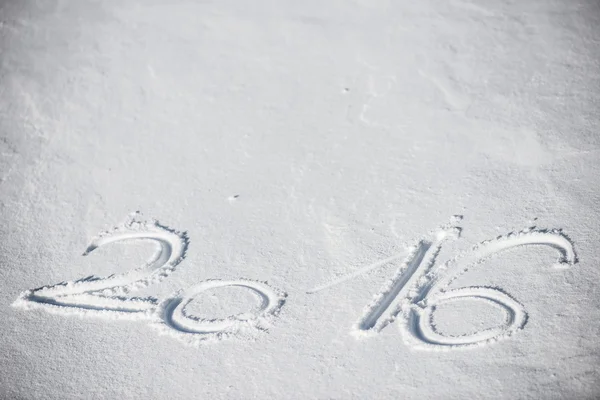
(233,198)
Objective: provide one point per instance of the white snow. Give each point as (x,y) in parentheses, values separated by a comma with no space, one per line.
(299,200)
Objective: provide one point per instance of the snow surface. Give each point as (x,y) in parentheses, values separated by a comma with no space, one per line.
(300,200)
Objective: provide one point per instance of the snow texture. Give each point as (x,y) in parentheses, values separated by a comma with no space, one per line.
(337,200)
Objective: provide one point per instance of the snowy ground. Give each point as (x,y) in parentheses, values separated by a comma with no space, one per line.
(367,199)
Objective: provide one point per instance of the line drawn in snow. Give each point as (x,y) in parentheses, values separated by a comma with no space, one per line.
(108,297)
(420,285)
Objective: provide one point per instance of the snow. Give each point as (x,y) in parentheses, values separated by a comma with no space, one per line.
(299,199)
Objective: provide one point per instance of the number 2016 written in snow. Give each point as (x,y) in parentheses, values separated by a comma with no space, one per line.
(418,286)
